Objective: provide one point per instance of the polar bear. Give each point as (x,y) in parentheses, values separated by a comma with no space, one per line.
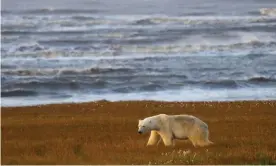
(172,127)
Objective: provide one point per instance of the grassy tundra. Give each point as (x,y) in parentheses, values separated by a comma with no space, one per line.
(106,133)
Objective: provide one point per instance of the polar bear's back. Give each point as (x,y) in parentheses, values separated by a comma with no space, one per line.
(190,120)
(183,125)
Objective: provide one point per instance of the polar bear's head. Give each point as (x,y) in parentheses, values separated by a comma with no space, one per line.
(146,125)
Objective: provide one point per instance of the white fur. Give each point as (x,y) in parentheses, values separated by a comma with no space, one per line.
(171,127)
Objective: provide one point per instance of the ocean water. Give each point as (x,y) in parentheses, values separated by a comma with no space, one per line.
(61,51)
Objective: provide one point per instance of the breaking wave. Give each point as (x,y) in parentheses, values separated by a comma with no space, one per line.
(51,11)
(51,72)
(18,93)
(261,79)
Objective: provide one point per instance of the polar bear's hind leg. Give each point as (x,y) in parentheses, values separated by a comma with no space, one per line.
(203,138)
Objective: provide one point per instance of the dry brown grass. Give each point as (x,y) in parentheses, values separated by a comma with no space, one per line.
(106,133)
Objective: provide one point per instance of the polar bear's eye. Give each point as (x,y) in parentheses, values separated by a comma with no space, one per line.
(143,126)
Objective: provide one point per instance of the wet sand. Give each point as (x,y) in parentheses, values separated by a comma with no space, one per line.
(106,133)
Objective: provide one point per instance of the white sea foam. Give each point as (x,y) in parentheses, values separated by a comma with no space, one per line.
(268,11)
(168,95)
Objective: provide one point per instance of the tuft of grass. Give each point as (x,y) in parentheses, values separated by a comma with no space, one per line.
(264,159)
(77,150)
(182,157)
(40,150)
(12,162)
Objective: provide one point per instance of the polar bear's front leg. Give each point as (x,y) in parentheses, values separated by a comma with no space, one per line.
(160,140)
(153,139)
(167,139)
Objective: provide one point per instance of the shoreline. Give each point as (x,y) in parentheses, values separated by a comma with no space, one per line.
(122,101)
(105,132)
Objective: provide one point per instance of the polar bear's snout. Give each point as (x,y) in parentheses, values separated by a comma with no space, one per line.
(145,126)
(141,129)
